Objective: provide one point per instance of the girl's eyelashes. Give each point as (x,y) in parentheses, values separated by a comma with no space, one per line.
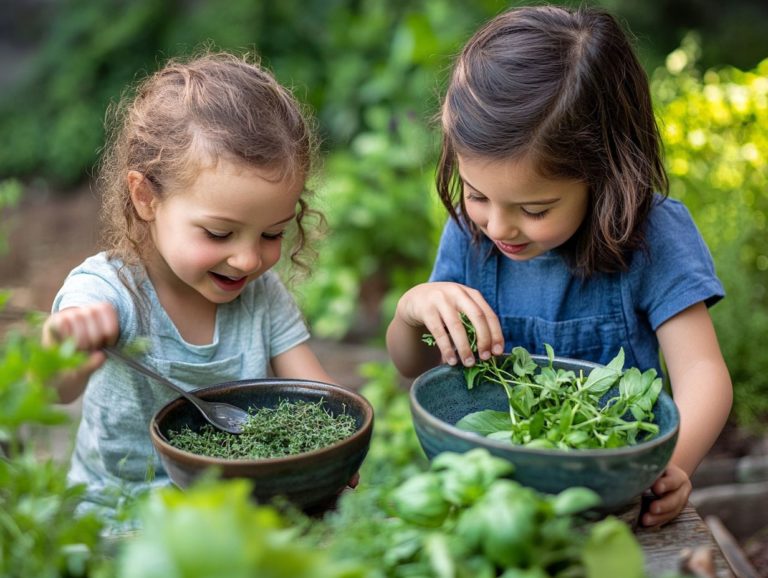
(534,215)
(539,214)
(224,236)
(216,236)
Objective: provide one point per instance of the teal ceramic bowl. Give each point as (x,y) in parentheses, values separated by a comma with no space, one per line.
(439,398)
(310,480)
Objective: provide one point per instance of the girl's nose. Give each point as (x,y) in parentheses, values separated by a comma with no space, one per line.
(247,259)
(501,226)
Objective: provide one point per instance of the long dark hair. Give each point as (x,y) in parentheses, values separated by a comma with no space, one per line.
(563,88)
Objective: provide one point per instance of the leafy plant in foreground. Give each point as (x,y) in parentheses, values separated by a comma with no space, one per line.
(462,518)
(555,408)
(40,535)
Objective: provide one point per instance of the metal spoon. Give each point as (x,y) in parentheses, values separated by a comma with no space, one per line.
(224,416)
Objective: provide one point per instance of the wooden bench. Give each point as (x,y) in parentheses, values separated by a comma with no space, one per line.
(666,548)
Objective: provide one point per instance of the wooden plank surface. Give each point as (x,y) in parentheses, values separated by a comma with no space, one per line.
(665,547)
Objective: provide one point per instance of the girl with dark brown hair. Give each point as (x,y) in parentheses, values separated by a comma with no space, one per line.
(561,231)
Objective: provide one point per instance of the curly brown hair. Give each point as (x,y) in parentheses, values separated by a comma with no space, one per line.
(210,106)
(564,88)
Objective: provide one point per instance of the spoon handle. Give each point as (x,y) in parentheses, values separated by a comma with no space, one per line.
(120,356)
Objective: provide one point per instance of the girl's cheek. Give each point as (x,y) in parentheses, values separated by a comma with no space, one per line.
(204,254)
(272,255)
(475,215)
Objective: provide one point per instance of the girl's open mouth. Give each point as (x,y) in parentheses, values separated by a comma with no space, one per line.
(511,249)
(228,283)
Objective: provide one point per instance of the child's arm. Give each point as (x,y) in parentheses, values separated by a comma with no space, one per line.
(435,308)
(300,362)
(91,327)
(701,386)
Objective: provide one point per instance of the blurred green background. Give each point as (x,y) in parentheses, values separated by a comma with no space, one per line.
(372,72)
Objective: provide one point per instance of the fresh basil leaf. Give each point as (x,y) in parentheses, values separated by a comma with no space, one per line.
(575,500)
(612,551)
(419,500)
(550,353)
(523,364)
(601,379)
(472,374)
(485,422)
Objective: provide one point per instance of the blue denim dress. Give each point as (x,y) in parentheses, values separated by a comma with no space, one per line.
(539,301)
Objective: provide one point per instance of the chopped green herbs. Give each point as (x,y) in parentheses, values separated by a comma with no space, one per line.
(555,408)
(290,428)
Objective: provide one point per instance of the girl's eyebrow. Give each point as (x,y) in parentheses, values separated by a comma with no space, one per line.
(540,202)
(237,222)
(290,218)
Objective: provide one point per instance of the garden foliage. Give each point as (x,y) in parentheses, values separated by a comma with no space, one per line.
(372,72)
(461,517)
(713,125)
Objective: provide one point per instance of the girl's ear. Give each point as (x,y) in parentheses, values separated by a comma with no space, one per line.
(142,195)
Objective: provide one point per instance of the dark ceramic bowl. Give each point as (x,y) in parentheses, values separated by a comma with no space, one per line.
(440,398)
(310,480)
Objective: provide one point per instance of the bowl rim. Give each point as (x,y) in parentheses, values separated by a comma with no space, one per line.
(474,438)
(364,430)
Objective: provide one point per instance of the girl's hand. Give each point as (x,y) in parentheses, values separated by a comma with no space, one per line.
(91,327)
(437,307)
(672,490)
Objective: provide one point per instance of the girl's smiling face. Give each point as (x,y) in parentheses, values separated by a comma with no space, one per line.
(521,212)
(219,233)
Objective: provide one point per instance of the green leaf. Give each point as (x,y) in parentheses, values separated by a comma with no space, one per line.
(541,443)
(523,365)
(485,422)
(575,500)
(536,424)
(577,439)
(522,400)
(419,500)
(439,555)
(472,374)
(631,384)
(601,379)
(611,550)
(550,353)
(510,513)
(466,477)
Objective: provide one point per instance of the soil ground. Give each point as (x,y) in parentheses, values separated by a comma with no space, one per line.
(50,233)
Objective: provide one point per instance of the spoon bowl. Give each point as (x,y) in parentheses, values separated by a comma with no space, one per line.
(223,416)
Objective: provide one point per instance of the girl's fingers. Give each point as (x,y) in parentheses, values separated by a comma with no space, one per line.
(490,340)
(107,323)
(458,334)
(90,327)
(434,324)
(663,509)
(438,308)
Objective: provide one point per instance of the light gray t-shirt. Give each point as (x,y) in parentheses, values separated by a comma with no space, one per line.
(113,447)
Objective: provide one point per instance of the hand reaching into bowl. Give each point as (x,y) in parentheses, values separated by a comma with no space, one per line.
(438,308)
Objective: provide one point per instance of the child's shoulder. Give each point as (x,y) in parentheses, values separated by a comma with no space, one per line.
(672,236)
(668,209)
(670,218)
(101,269)
(100,265)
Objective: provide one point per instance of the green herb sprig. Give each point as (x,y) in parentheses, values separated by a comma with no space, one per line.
(555,408)
(288,429)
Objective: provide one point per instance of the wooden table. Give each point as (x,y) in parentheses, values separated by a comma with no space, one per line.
(663,547)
